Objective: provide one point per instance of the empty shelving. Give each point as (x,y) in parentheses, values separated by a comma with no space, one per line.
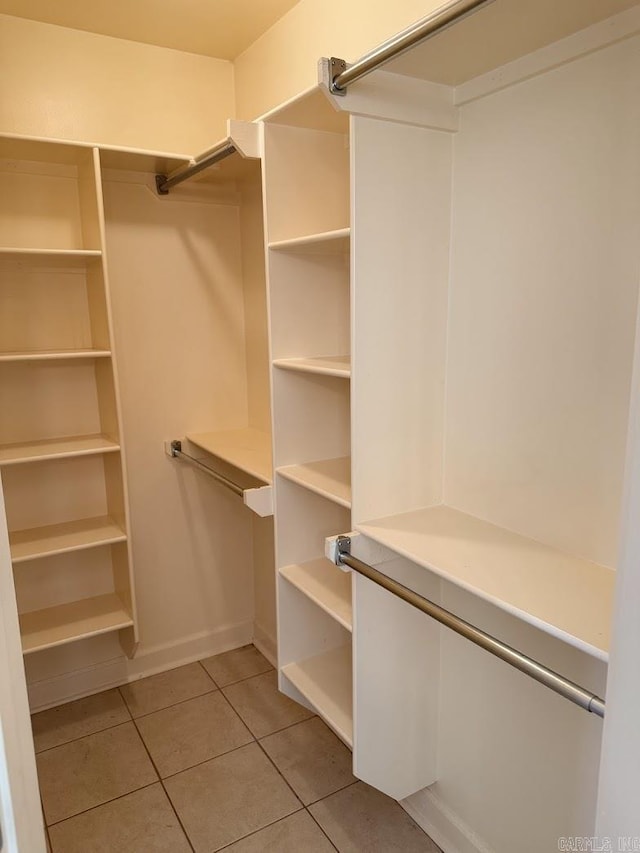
(63,538)
(330,478)
(326,585)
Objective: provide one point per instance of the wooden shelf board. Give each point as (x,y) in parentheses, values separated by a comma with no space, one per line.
(60,258)
(330,478)
(326,585)
(567,597)
(325,243)
(326,682)
(55,626)
(56,448)
(64,538)
(54,355)
(248,449)
(328,365)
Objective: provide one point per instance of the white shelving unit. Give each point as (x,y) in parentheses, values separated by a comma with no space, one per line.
(61,452)
(308,234)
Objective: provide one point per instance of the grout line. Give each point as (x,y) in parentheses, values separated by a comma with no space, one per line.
(256,831)
(206,761)
(166,793)
(99,805)
(279,772)
(82,737)
(337,791)
(208,673)
(319,825)
(175,704)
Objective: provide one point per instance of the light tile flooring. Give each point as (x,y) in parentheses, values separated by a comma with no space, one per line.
(207,757)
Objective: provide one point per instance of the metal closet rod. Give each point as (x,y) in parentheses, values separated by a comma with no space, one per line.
(178,453)
(558,683)
(164,183)
(427,27)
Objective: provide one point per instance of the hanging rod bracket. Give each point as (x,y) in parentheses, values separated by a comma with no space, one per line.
(330,70)
(175,447)
(161,180)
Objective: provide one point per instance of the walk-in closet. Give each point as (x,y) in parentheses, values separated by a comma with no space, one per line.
(319,428)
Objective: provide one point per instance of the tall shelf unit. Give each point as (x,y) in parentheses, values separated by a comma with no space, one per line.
(61,455)
(306,150)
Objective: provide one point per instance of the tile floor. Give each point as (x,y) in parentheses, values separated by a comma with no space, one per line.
(207,757)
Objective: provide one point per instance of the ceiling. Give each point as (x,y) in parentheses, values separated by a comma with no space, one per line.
(219,28)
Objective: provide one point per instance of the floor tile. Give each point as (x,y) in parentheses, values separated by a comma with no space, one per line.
(236,665)
(225,799)
(165,689)
(88,772)
(142,822)
(361,818)
(261,705)
(78,719)
(298,833)
(192,732)
(311,758)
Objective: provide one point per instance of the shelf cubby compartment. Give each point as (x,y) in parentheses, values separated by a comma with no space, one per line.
(329,478)
(53,539)
(325,680)
(77,620)
(54,187)
(565,596)
(326,585)
(329,365)
(56,448)
(335,242)
(248,450)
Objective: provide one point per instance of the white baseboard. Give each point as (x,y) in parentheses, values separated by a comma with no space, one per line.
(442,824)
(148,661)
(266,644)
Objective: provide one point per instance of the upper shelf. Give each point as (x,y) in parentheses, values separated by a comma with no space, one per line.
(567,597)
(56,448)
(329,365)
(323,243)
(54,355)
(495,35)
(63,258)
(329,478)
(248,449)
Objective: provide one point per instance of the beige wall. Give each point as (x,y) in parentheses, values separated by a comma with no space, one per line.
(67,84)
(283,61)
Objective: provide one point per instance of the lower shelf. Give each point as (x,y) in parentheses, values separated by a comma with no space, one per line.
(63,538)
(55,626)
(326,682)
(326,585)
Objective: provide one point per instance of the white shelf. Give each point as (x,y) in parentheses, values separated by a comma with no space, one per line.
(330,478)
(50,257)
(55,626)
(63,538)
(567,597)
(249,450)
(325,243)
(329,365)
(326,682)
(54,355)
(325,585)
(56,448)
